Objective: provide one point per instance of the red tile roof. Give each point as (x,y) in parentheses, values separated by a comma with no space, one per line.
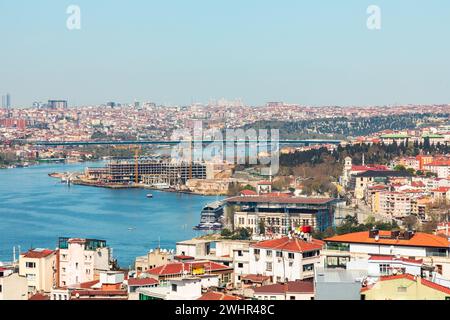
(248,193)
(255,278)
(142,281)
(102,293)
(89,284)
(37,254)
(183,257)
(418,240)
(180,267)
(393,258)
(291,287)
(214,296)
(370,167)
(293,245)
(410,277)
(441,189)
(39,296)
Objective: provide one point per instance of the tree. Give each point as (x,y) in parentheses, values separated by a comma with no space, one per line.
(400,167)
(242,234)
(262,227)
(226,233)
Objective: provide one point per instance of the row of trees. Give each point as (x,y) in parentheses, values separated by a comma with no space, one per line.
(350,224)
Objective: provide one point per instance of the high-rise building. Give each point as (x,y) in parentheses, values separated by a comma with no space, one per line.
(57,104)
(6,101)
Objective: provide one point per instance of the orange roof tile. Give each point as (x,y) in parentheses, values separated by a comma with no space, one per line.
(418,240)
(37,254)
(217,296)
(286,244)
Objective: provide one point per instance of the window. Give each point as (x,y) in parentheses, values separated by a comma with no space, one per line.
(279,254)
(31,276)
(310,254)
(256,251)
(76,265)
(308,267)
(291,255)
(1,288)
(384,269)
(240,253)
(269,266)
(269,253)
(439,269)
(292,298)
(174,288)
(402,289)
(240,265)
(31,265)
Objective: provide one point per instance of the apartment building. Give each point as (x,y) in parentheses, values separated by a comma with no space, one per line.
(187,288)
(81,260)
(291,290)
(39,268)
(432,249)
(153,259)
(280,214)
(405,287)
(12,285)
(285,259)
(360,182)
(439,167)
(393,204)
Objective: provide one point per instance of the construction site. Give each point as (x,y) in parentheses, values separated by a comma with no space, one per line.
(147,171)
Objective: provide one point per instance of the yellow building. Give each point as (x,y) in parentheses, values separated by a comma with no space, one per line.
(39,267)
(405,287)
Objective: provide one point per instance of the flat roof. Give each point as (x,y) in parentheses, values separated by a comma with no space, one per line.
(280,200)
(419,239)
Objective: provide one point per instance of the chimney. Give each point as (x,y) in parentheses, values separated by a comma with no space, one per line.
(374,233)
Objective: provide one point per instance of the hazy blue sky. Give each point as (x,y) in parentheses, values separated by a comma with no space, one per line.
(172,51)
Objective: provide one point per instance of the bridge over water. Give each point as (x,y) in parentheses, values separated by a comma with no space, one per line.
(158,142)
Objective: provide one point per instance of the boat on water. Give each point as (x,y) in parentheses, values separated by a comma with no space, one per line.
(149,195)
(209,226)
(211,216)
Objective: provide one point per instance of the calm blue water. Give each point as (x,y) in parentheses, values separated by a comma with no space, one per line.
(36,209)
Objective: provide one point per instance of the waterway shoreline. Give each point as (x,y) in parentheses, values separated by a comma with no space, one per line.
(37,209)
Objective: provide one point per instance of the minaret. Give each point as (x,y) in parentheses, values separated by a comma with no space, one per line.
(363,160)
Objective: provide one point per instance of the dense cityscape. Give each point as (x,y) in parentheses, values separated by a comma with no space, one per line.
(374,224)
(224,159)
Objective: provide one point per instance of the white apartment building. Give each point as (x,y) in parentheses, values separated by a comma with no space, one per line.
(285,259)
(432,249)
(12,285)
(39,267)
(241,263)
(395,204)
(188,288)
(79,260)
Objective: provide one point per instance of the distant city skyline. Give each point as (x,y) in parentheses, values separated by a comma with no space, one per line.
(177,52)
